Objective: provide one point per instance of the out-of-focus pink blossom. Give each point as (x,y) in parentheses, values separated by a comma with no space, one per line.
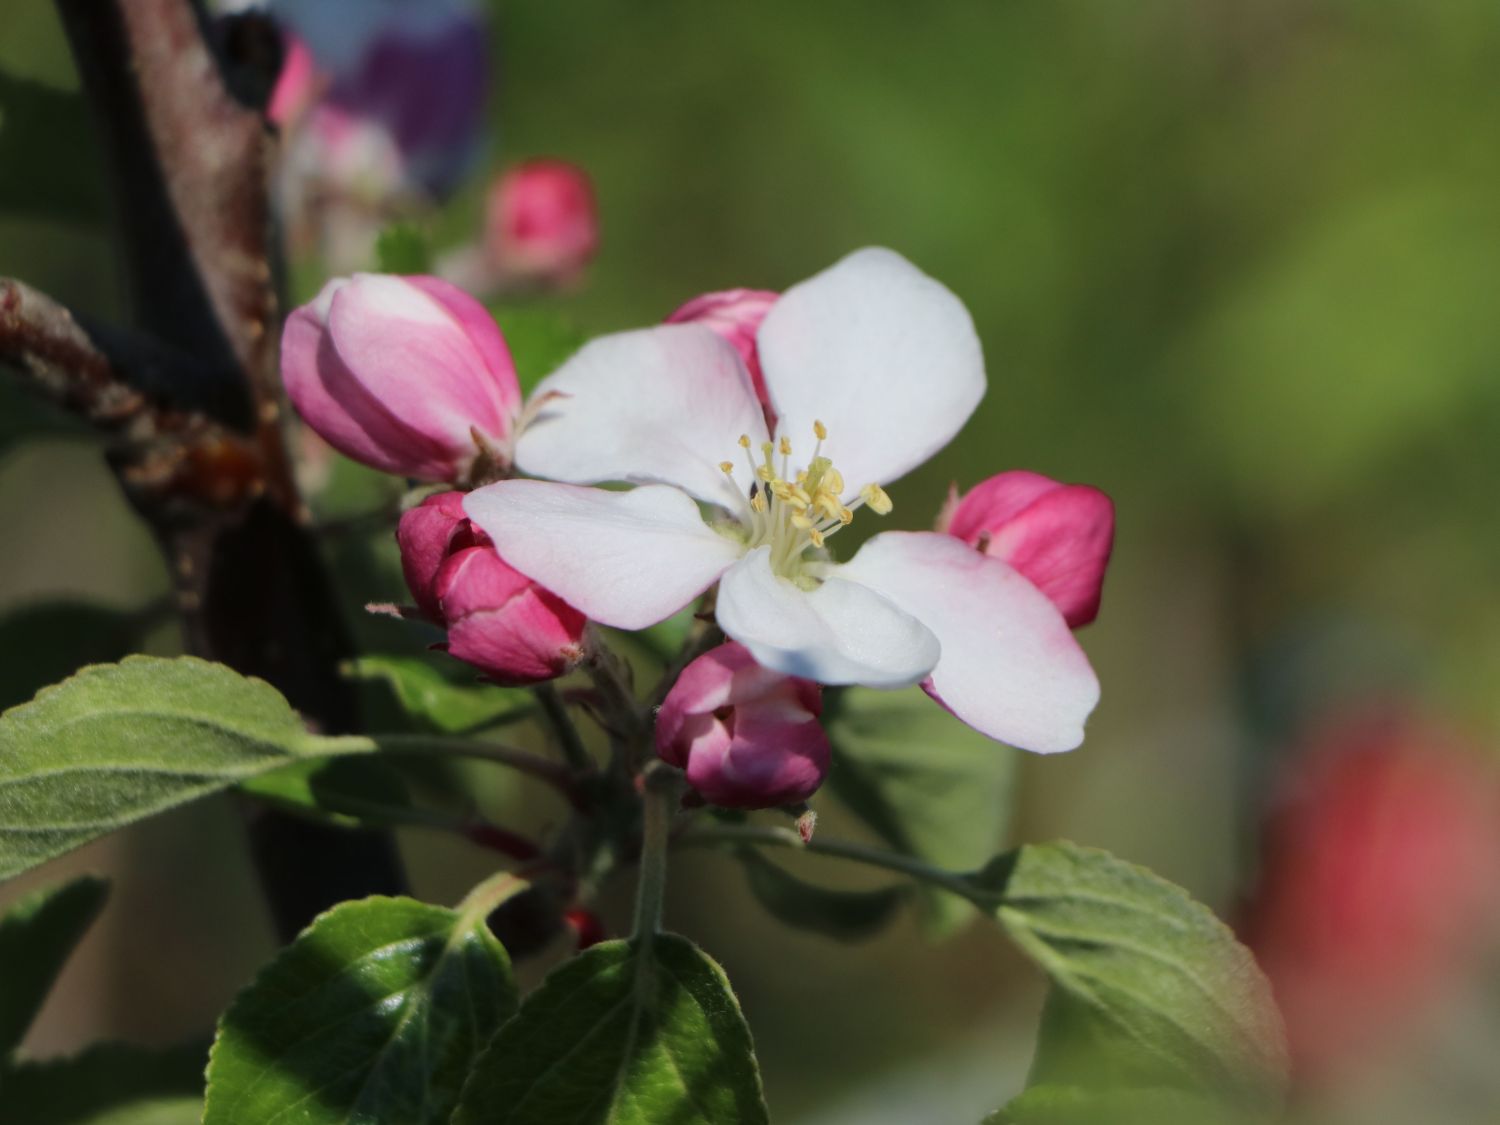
(543,223)
(498,620)
(1378,881)
(735,314)
(747,737)
(379,96)
(406,374)
(1059,536)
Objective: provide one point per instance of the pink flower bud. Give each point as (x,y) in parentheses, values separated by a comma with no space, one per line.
(503,623)
(406,374)
(747,737)
(543,223)
(1059,536)
(498,620)
(735,314)
(1377,888)
(297,86)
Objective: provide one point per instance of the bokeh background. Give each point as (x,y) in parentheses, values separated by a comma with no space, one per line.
(1237,264)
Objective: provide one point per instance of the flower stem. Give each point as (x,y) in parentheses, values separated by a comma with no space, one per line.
(660,783)
(776,837)
(568,740)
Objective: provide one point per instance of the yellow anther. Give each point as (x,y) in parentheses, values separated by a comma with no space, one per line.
(765,473)
(800,496)
(876,498)
(821,430)
(758,501)
(744,441)
(833,482)
(846,517)
(802,521)
(766,448)
(726,467)
(816,536)
(782,491)
(786,447)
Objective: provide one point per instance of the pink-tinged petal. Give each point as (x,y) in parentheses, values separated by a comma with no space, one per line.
(1062,543)
(748,737)
(839,632)
(480,327)
(736,315)
(627,559)
(426,535)
(1058,535)
(409,350)
(883,355)
(296,86)
(335,403)
(505,624)
(992,502)
(1010,667)
(658,405)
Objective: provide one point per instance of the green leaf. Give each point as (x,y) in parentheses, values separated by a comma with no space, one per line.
(927,784)
(110,1084)
(402,248)
(539,340)
(119,742)
(845,915)
(36,936)
(1068,1105)
(623,1035)
(348,792)
(1149,987)
(58,637)
(374,1014)
(51,170)
(428,695)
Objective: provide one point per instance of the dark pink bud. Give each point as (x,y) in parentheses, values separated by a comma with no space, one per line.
(427,535)
(543,223)
(587,927)
(503,623)
(1377,886)
(735,314)
(406,374)
(746,736)
(1059,536)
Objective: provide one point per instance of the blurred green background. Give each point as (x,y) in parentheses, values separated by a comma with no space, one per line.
(1235,263)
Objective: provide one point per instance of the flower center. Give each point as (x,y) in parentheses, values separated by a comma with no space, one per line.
(795,513)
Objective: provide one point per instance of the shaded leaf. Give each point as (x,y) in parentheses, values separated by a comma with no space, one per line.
(119,742)
(626,1036)
(402,248)
(58,638)
(1150,989)
(1067,1105)
(111,1084)
(427,694)
(349,792)
(36,936)
(928,785)
(43,178)
(374,1014)
(845,915)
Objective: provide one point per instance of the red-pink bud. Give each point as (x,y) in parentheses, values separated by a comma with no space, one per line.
(427,535)
(746,736)
(1059,536)
(586,926)
(735,314)
(503,623)
(1377,886)
(406,374)
(543,223)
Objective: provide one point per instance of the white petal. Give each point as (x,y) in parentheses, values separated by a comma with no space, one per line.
(837,633)
(659,405)
(627,559)
(883,355)
(1010,666)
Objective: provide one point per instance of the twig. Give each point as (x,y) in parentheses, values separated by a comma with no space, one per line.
(573,749)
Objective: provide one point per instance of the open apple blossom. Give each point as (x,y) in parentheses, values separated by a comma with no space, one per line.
(871,367)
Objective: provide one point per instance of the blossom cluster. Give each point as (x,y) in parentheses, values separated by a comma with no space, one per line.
(749,429)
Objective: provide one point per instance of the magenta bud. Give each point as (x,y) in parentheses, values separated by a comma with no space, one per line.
(543,222)
(406,374)
(1059,536)
(735,314)
(746,736)
(427,535)
(503,623)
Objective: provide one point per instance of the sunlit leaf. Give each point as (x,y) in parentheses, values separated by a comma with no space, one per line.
(437,701)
